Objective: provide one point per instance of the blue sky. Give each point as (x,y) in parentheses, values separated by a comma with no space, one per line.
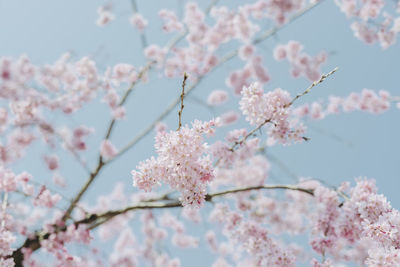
(341,148)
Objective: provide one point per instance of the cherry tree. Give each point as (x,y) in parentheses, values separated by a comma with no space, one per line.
(212,173)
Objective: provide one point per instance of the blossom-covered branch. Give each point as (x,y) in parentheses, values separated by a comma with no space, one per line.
(94,220)
(264,36)
(216,169)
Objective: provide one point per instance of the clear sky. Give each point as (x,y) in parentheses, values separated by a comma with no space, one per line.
(341,148)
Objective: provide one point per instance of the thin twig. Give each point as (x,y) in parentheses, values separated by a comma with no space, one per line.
(241,141)
(185,76)
(182,35)
(323,77)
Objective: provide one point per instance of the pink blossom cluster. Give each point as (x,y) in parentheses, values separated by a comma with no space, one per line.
(301,64)
(198,57)
(204,39)
(254,69)
(45,198)
(349,224)
(15,145)
(344,224)
(227,157)
(138,21)
(367,100)
(252,237)
(193,59)
(116,199)
(56,242)
(275,9)
(125,250)
(171,22)
(267,213)
(107,149)
(153,235)
(364,222)
(155,53)
(272,107)
(10,223)
(52,162)
(252,172)
(229,117)
(183,162)
(32,91)
(259,107)
(385,24)
(230,24)
(280,216)
(105,15)
(217,97)
(120,74)
(9,182)
(76,140)
(180,238)
(379,223)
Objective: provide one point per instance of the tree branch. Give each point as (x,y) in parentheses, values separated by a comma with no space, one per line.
(185,76)
(94,220)
(323,77)
(100,162)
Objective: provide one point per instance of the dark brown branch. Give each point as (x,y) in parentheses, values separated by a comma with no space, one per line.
(94,219)
(209,197)
(100,162)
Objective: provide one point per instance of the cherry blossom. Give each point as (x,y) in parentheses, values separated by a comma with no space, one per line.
(138,21)
(209,182)
(301,64)
(217,97)
(105,15)
(187,172)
